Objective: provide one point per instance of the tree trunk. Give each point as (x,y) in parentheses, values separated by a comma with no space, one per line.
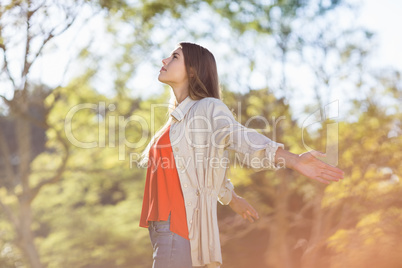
(309,259)
(278,255)
(25,235)
(24,228)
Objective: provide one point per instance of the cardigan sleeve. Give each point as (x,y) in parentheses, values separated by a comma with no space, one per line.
(225,193)
(251,148)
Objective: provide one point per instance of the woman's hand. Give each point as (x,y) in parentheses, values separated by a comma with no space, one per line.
(243,208)
(309,165)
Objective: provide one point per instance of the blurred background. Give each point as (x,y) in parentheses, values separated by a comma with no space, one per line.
(78,88)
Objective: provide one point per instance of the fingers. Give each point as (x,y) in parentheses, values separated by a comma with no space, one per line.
(246,216)
(321,180)
(250,217)
(331,168)
(338,174)
(329,177)
(333,173)
(250,214)
(244,209)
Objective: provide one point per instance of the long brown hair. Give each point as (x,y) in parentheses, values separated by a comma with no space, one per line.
(203,80)
(201,71)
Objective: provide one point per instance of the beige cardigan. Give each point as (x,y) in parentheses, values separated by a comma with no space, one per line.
(201,132)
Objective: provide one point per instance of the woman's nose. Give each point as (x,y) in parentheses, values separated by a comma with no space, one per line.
(164,61)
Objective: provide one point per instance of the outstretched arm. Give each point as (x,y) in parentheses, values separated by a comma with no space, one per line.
(243,208)
(309,165)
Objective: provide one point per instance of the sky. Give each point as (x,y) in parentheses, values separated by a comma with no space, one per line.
(382,17)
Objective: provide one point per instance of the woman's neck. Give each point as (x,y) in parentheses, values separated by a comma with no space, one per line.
(180,94)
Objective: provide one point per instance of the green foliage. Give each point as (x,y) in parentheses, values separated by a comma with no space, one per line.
(91,216)
(374,242)
(358,215)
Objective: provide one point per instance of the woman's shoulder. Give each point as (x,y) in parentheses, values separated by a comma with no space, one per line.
(212,107)
(209,101)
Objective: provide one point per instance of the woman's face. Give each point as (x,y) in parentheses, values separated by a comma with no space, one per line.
(173,71)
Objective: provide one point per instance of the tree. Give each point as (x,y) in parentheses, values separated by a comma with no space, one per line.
(302,224)
(25,30)
(96,207)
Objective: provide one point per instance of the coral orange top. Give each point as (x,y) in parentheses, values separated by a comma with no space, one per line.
(162,194)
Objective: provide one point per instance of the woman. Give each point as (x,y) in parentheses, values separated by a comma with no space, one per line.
(188,159)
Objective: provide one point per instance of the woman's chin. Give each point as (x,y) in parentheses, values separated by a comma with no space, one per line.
(161,79)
